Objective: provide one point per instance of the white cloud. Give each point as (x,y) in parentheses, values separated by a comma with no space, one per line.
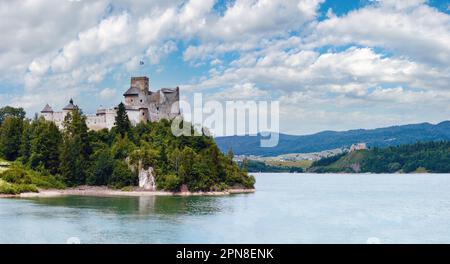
(307,69)
(384,61)
(107,93)
(155,53)
(262,18)
(31,28)
(242,91)
(248,23)
(405,27)
(110,33)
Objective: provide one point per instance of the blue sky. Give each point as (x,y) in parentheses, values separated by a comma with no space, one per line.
(333,65)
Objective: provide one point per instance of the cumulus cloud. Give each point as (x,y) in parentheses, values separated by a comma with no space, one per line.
(375,65)
(243,91)
(34,27)
(107,93)
(407,28)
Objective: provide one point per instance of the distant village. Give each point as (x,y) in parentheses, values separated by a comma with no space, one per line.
(312,156)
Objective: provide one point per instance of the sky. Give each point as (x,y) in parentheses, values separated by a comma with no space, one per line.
(332,65)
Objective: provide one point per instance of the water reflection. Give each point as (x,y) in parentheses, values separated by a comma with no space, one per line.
(143,205)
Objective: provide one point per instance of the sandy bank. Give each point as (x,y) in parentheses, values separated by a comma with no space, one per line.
(105,192)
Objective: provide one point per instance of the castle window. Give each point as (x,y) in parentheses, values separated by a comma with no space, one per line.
(141,100)
(143,113)
(157,108)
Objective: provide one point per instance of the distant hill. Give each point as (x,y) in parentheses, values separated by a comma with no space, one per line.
(380,137)
(419,157)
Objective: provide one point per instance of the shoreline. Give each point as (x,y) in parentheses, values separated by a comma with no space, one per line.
(108,192)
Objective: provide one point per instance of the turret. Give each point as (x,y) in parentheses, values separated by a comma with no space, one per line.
(70,106)
(141,83)
(47,113)
(47,109)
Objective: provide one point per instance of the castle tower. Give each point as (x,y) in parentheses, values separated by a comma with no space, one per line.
(47,113)
(136,95)
(141,83)
(69,107)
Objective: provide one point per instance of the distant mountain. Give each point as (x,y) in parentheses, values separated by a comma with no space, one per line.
(381,137)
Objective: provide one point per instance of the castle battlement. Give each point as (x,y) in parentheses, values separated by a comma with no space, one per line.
(141,105)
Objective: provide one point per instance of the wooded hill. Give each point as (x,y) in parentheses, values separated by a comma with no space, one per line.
(431,157)
(73,156)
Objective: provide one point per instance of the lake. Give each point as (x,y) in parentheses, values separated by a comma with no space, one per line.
(286,208)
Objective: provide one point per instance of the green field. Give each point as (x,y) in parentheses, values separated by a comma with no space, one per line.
(304,164)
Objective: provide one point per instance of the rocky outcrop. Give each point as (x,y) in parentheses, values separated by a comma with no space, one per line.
(356,167)
(147,179)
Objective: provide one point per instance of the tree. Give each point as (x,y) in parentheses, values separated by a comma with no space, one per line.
(102,168)
(11,111)
(175,161)
(122,176)
(230,155)
(122,147)
(187,165)
(76,149)
(245,165)
(163,160)
(10,137)
(25,144)
(72,163)
(45,146)
(122,123)
(146,155)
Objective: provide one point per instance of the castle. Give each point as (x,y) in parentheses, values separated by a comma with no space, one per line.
(141,105)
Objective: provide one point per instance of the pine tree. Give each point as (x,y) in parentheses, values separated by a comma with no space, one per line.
(122,124)
(10,137)
(230,155)
(72,163)
(25,145)
(76,149)
(45,146)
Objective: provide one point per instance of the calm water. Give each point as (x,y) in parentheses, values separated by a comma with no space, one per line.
(287,208)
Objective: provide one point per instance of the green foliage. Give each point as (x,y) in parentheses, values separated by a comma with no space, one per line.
(9,111)
(122,147)
(113,157)
(328,160)
(101,168)
(170,182)
(45,142)
(18,179)
(419,157)
(430,156)
(10,137)
(145,155)
(25,144)
(75,150)
(259,166)
(122,124)
(122,176)
(9,188)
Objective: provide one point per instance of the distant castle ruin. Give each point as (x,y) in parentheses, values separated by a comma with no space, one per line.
(141,105)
